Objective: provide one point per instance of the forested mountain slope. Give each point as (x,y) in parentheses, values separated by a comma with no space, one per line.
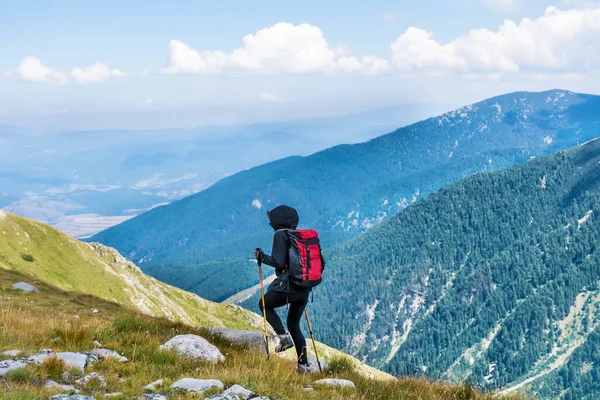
(494,280)
(347,189)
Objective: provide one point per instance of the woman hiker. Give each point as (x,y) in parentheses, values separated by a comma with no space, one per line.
(282,292)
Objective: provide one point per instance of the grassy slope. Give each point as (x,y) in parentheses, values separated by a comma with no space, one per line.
(92,269)
(64,321)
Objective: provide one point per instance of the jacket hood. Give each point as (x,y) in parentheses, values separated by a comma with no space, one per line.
(283,217)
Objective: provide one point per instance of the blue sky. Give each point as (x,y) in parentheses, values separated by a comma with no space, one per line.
(142,64)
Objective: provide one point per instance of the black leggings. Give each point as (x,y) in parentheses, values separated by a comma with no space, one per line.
(298,303)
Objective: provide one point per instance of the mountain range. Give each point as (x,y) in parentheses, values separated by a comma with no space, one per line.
(494,280)
(345,190)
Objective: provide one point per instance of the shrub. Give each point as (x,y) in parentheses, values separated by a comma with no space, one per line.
(27,257)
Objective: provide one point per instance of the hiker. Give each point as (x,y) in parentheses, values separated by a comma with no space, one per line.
(283,291)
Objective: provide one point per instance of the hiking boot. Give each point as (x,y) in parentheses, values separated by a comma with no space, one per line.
(285,342)
(304,369)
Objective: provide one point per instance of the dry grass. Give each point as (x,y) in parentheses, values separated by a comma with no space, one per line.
(31,322)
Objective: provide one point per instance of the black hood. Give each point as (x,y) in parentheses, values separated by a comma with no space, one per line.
(283,217)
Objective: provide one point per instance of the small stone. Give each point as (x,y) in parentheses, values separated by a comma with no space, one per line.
(194,346)
(51,384)
(11,353)
(154,396)
(25,287)
(224,396)
(95,312)
(105,353)
(111,395)
(11,365)
(93,376)
(97,344)
(71,397)
(152,386)
(239,391)
(262,398)
(336,382)
(197,385)
(66,376)
(309,389)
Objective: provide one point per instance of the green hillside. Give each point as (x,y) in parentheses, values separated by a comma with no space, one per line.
(64,321)
(494,280)
(45,254)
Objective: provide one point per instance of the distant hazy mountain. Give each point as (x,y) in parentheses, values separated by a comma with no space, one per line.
(86,181)
(347,189)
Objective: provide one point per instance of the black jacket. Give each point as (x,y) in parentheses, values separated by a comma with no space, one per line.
(282,218)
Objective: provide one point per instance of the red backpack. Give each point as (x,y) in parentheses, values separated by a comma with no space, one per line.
(306,262)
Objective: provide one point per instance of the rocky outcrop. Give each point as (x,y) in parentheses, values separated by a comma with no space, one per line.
(11,365)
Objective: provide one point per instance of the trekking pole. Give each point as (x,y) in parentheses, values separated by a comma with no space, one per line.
(313,339)
(264,309)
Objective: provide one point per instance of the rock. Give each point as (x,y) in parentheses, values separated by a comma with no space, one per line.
(240,392)
(194,346)
(105,353)
(78,360)
(97,344)
(262,398)
(72,360)
(25,287)
(335,382)
(111,395)
(40,357)
(11,365)
(71,397)
(154,396)
(314,365)
(91,377)
(151,387)
(255,340)
(66,376)
(223,396)
(65,388)
(197,385)
(11,353)
(95,312)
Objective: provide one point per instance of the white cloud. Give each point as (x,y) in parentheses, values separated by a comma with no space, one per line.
(283,47)
(389,16)
(266,96)
(504,5)
(148,100)
(31,69)
(96,73)
(558,41)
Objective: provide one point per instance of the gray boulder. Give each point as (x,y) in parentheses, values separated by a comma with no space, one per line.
(197,385)
(194,346)
(105,353)
(25,287)
(151,387)
(154,396)
(11,365)
(240,392)
(255,340)
(335,382)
